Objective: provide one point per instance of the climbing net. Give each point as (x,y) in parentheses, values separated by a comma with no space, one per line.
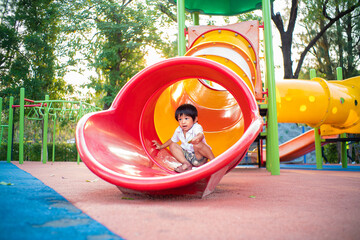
(60,110)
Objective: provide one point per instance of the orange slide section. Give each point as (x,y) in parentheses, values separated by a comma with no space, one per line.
(297,147)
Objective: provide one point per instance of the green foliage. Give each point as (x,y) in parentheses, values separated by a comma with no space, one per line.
(319,17)
(27,49)
(111,38)
(331,153)
(355,152)
(64,152)
(170,50)
(250,16)
(338,46)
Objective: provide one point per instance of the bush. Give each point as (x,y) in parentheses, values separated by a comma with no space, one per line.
(64,152)
(331,153)
(3,150)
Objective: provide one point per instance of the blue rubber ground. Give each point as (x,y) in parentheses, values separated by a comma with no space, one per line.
(325,167)
(31,210)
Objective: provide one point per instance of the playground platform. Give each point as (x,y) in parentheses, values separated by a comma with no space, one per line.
(248,203)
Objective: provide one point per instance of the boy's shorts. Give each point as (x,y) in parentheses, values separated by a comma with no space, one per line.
(190,156)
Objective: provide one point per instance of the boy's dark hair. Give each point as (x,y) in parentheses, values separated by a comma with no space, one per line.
(186,109)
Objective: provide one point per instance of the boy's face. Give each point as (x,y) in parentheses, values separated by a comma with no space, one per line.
(186,122)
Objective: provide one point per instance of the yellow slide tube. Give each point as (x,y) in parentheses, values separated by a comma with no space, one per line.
(332,105)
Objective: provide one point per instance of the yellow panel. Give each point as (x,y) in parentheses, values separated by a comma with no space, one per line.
(230,37)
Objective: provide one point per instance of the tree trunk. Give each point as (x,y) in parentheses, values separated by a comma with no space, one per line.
(286,43)
(339,40)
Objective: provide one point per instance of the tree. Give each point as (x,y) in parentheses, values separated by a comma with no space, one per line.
(339,45)
(112,37)
(28,35)
(287,35)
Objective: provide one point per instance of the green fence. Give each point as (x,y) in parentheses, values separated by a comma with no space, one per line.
(44,110)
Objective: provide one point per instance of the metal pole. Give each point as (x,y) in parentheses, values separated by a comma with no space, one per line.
(1,100)
(181,27)
(79,115)
(45,130)
(339,75)
(1,110)
(21,126)
(319,163)
(2,127)
(54,132)
(195,18)
(303,131)
(272,140)
(10,129)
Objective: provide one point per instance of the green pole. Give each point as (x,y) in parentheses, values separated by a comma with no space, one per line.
(10,128)
(1,100)
(181,27)
(319,163)
(339,75)
(1,134)
(195,18)
(54,132)
(45,130)
(80,115)
(1,110)
(21,126)
(272,140)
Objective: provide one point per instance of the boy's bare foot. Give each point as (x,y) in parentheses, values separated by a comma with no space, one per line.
(197,163)
(184,167)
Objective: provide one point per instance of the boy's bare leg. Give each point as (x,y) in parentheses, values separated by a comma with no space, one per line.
(177,152)
(203,150)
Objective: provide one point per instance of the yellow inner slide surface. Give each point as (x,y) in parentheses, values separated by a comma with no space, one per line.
(214,108)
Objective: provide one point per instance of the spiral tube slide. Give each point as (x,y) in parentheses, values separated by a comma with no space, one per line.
(116,144)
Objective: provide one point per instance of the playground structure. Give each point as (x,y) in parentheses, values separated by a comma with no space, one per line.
(41,110)
(220,75)
(116,144)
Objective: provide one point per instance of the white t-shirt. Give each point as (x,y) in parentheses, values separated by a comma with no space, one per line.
(179,136)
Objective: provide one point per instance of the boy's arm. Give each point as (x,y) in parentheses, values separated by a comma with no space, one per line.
(165,145)
(198,138)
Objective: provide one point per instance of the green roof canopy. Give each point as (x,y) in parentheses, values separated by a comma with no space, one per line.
(222,7)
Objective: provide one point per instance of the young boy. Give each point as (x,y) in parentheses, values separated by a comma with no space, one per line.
(194,151)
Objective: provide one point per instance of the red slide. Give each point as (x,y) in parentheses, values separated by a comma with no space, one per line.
(297,147)
(116,144)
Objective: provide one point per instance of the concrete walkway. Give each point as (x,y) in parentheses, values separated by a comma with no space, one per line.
(247,204)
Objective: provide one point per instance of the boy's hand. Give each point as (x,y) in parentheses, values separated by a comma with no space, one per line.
(197,139)
(156,144)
